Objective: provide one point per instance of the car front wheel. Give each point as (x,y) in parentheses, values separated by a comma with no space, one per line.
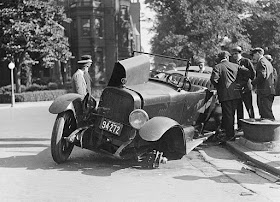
(64,125)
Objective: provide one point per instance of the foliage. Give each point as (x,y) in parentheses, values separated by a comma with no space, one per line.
(8,89)
(52,86)
(193,29)
(41,95)
(36,87)
(263,27)
(32,30)
(34,96)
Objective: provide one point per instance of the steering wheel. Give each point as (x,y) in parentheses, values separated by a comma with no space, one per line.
(179,80)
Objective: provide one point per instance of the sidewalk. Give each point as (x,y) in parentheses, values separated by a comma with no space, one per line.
(268,160)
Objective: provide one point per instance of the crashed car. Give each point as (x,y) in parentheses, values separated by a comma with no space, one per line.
(137,117)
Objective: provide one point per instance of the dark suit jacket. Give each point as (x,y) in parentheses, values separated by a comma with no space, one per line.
(244,78)
(223,78)
(264,78)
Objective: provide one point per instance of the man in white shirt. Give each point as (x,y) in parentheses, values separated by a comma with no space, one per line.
(79,84)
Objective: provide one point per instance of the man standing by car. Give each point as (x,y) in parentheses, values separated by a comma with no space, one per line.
(201,66)
(81,82)
(223,78)
(264,84)
(245,86)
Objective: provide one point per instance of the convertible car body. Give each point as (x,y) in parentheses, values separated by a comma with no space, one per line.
(137,117)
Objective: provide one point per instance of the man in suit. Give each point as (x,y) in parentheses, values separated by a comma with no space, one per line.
(245,86)
(81,81)
(223,78)
(264,84)
(201,66)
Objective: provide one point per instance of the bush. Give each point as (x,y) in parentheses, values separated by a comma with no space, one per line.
(39,82)
(35,87)
(41,95)
(52,86)
(67,85)
(8,89)
(33,96)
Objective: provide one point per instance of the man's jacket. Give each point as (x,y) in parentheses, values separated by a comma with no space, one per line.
(78,83)
(264,80)
(223,78)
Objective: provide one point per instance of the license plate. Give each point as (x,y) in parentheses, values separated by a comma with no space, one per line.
(111,126)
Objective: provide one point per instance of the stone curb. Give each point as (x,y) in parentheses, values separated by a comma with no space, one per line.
(264,146)
(251,156)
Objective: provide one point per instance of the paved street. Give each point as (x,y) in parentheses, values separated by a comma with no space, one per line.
(28,173)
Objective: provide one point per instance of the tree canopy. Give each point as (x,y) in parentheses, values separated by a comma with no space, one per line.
(201,28)
(32,30)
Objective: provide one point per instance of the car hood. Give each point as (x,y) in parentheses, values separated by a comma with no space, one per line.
(131,71)
(155,93)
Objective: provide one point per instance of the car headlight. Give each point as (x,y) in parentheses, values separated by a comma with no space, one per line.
(138,118)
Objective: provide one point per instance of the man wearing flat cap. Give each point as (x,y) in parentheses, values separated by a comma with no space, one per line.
(264,84)
(81,81)
(245,87)
(223,78)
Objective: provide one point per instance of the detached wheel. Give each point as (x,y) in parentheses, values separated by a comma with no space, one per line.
(64,125)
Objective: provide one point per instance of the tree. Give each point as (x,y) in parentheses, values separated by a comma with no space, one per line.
(198,28)
(32,28)
(263,27)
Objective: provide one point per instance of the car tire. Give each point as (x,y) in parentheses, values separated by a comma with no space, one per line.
(64,125)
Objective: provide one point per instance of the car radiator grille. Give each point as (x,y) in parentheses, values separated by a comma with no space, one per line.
(117,105)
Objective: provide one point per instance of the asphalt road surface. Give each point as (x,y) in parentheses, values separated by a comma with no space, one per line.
(28,173)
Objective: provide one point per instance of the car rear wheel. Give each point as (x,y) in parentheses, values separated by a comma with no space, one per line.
(64,125)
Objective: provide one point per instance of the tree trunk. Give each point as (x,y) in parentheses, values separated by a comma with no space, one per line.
(17,77)
(56,76)
(28,75)
(18,62)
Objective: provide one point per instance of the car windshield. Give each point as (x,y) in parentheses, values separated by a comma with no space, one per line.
(162,65)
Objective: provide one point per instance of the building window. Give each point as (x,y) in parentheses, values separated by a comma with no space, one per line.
(98,27)
(85,22)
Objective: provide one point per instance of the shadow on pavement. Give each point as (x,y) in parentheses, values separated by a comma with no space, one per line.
(235,177)
(84,161)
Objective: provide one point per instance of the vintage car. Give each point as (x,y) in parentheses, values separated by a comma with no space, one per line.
(137,117)
(201,79)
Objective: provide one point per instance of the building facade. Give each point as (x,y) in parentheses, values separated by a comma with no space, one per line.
(108,30)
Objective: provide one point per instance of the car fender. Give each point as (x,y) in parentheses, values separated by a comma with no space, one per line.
(154,129)
(70,101)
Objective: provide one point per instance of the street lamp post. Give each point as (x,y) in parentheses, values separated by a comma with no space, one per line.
(11,67)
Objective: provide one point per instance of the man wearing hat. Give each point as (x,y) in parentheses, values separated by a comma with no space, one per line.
(223,78)
(269,58)
(201,65)
(81,81)
(245,86)
(264,84)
